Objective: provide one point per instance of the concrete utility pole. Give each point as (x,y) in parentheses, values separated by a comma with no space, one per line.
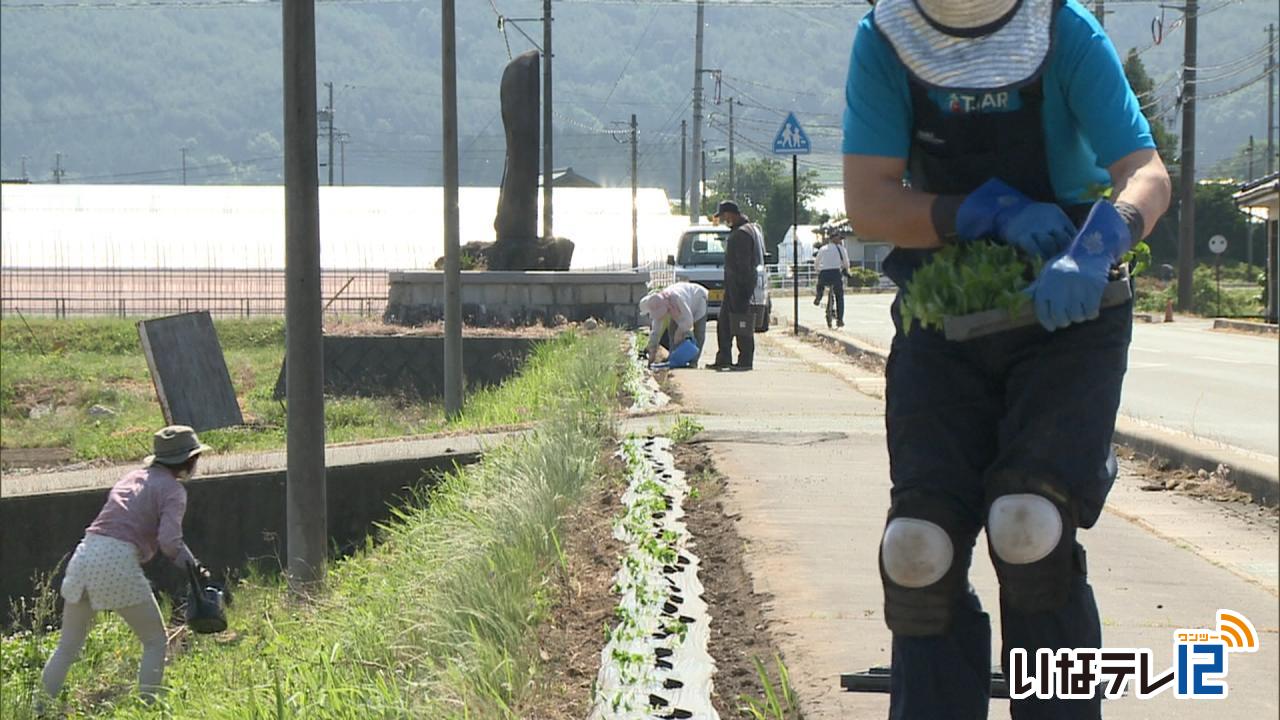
(58,172)
(306,508)
(548,156)
(695,195)
(343,139)
(635,218)
(452,249)
(1271,97)
(328,113)
(703,156)
(1100,11)
(184,165)
(732,179)
(684,157)
(1187,220)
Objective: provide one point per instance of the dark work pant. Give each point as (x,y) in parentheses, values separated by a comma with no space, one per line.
(725,335)
(833,279)
(1026,403)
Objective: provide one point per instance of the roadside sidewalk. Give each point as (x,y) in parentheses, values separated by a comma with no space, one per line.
(804,454)
(1256,474)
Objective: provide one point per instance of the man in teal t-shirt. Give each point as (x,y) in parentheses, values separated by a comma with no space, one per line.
(1003,120)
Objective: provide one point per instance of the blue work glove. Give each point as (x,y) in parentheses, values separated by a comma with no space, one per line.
(996,209)
(1069,289)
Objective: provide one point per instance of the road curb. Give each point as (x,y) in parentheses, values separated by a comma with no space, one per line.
(1251,473)
(1244,326)
(1258,476)
(859,350)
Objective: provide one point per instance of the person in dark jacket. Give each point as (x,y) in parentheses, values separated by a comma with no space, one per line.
(736,319)
(1010,118)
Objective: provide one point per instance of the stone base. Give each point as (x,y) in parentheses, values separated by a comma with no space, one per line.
(513,298)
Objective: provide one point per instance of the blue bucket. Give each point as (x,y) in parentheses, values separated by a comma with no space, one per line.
(684,354)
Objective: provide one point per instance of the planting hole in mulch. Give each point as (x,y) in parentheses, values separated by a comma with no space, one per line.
(571,638)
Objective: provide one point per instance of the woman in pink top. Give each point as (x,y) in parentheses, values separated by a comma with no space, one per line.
(143,514)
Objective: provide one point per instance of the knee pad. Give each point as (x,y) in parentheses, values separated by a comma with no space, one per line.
(924,560)
(1031,534)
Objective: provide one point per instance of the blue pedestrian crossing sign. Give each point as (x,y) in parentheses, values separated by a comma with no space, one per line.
(791,138)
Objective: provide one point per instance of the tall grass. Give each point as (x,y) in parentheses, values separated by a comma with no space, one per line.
(435,621)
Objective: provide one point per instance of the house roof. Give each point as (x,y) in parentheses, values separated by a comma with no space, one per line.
(1261,193)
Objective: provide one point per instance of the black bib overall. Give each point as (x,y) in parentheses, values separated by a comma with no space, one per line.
(1027,409)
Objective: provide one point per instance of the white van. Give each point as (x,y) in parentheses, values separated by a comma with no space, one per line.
(699,259)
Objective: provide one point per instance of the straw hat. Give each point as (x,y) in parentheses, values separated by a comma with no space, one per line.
(175,445)
(977,45)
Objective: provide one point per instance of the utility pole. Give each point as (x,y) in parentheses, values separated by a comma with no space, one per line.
(548,156)
(24,167)
(635,218)
(732,179)
(1249,237)
(684,157)
(1100,10)
(695,195)
(306,509)
(1271,97)
(343,139)
(452,249)
(1250,153)
(1187,220)
(703,156)
(328,112)
(57,169)
(184,165)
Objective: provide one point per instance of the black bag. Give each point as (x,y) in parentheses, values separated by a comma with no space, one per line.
(206,604)
(740,323)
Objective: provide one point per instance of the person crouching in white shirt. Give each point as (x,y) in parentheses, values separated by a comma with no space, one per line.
(675,312)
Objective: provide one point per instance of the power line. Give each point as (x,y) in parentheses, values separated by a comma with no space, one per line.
(630,57)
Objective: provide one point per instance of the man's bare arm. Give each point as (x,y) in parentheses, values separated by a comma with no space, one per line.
(1141,180)
(881,208)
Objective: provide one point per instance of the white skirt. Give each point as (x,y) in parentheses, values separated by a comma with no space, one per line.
(107,570)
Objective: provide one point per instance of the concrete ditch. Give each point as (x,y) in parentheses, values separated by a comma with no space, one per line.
(234,519)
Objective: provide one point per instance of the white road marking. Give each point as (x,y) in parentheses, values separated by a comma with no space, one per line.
(1232,361)
(1146,366)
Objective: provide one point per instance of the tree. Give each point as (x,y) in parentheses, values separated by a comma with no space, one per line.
(763,192)
(1216,214)
(1144,87)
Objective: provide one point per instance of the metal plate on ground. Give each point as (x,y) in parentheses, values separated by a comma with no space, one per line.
(877,679)
(189,372)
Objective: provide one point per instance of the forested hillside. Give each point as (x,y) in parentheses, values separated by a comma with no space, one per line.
(120,91)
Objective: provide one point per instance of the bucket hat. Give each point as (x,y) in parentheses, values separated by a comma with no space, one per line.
(975,45)
(174,445)
(727,206)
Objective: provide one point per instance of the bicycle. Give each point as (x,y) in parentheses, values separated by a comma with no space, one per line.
(832,308)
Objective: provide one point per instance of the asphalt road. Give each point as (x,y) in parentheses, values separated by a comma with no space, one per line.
(803,450)
(1183,376)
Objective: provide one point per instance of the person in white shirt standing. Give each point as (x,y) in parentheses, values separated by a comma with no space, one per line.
(833,265)
(682,305)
